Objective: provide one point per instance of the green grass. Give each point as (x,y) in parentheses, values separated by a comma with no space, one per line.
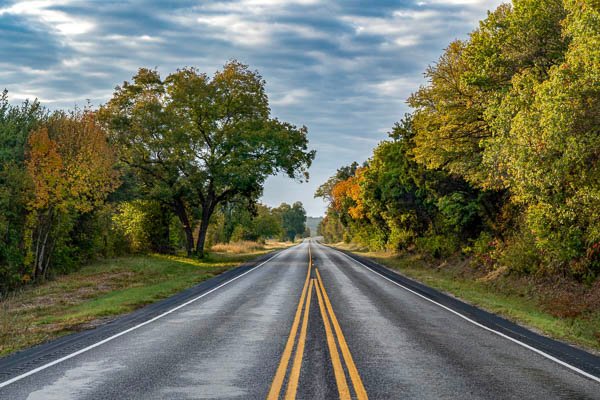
(101,291)
(517,299)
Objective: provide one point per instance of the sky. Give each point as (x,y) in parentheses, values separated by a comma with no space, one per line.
(342,68)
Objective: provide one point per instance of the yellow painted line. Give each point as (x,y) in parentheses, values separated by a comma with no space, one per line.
(359,388)
(292,386)
(287,352)
(338,370)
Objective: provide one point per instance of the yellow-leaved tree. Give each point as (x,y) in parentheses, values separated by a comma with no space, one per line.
(72,168)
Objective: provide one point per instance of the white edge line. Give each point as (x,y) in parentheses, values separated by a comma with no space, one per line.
(546,355)
(108,339)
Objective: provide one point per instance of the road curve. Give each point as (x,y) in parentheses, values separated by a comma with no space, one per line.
(308,323)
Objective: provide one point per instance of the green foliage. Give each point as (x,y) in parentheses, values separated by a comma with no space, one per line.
(257,223)
(240,221)
(196,142)
(503,145)
(15,186)
(187,146)
(482,247)
(550,140)
(394,201)
(266,224)
(456,119)
(459,211)
(331,228)
(293,220)
(239,233)
(437,246)
(448,118)
(146,226)
(130,221)
(520,254)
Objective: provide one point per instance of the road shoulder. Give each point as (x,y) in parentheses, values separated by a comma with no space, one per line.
(576,357)
(33,357)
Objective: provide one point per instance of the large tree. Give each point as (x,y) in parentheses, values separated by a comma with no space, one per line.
(455,119)
(196,142)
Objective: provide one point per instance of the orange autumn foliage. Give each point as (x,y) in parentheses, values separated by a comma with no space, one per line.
(70,164)
(347,195)
(44,167)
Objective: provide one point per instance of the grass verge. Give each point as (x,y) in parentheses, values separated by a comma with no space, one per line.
(102,290)
(523,300)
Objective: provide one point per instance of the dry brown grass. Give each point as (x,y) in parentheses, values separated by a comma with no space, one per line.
(248,246)
(276,244)
(237,247)
(569,299)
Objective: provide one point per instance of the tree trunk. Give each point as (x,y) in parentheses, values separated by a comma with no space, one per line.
(47,263)
(160,241)
(189,240)
(36,271)
(207,209)
(42,254)
(181,213)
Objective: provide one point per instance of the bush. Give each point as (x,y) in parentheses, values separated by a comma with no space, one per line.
(399,238)
(485,250)
(437,246)
(521,255)
(129,222)
(240,234)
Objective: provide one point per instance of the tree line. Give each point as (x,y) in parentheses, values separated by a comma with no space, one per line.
(165,165)
(258,222)
(500,156)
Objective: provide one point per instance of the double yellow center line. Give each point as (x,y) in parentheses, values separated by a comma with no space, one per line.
(289,346)
(329,319)
(340,377)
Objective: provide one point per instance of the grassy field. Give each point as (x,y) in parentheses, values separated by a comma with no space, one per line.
(102,290)
(525,301)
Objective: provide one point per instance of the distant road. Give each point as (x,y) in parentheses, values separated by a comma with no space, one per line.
(286,326)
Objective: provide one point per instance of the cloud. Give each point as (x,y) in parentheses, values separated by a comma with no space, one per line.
(342,67)
(457,2)
(255,6)
(402,87)
(293,96)
(237,29)
(44,12)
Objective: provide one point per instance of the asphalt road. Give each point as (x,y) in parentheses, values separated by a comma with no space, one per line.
(278,328)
